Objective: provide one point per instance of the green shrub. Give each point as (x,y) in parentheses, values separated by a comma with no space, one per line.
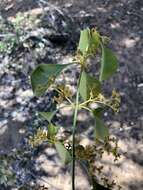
(89,92)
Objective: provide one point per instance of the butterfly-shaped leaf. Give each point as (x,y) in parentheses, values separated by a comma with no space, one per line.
(84,41)
(101,131)
(44,75)
(108,63)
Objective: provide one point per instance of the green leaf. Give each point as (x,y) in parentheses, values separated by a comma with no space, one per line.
(48,115)
(52,130)
(44,75)
(88,84)
(95,39)
(3,179)
(101,131)
(63,153)
(89,41)
(84,41)
(98,111)
(108,63)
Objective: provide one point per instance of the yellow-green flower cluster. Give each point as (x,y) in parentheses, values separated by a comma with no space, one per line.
(40,136)
(64,93)
(113,102)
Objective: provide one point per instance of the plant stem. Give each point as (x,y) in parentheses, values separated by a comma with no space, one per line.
(74,131)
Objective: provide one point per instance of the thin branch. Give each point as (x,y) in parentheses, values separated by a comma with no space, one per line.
(74,131)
